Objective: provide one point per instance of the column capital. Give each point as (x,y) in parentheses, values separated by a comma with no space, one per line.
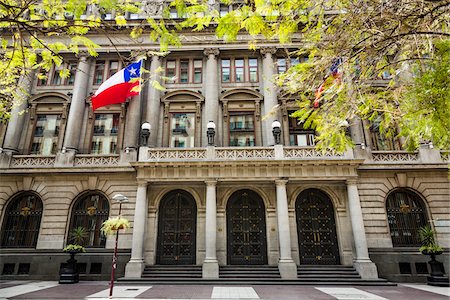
(268,50)
(211,182)
(352,181)
(83,55)
(211,51)
(142,183)
(281,182)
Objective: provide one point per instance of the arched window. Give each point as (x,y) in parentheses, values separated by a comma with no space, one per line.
(89,212)
(22,220)
(406,214)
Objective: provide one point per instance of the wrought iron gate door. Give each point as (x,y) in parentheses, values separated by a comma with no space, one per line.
(177,229)
(316,229)
(246,229)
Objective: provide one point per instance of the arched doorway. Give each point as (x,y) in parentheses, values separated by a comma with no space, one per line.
(246,229)
(316,229)
(177,229)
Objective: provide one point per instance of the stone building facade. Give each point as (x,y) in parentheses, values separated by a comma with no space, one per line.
(244,200)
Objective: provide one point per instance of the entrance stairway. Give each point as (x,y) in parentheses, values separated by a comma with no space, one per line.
(254,275)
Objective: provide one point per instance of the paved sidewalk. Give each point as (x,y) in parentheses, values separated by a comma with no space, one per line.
(97,290)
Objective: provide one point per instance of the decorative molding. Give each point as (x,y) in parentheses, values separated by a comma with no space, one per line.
(169,154)
(401,179)
(246,153)
(309,153)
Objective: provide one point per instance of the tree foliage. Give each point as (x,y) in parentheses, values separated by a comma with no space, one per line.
(400,40)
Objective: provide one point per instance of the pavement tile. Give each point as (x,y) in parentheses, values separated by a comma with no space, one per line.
(177,292)
(279,292)
(401,293)
(65,291)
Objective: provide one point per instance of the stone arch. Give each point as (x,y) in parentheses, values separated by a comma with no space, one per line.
(182,95)
(163,192)
(337,201)
(261,193)
(241,94)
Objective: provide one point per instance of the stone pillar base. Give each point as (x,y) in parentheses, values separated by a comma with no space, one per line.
(134,269)
(65,159)
(288,269)
(5,160)
(210,269)
(366,269)
(127,156)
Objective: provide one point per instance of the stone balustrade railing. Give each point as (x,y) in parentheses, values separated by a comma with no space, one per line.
(239,153)
(278,152)
(395,156)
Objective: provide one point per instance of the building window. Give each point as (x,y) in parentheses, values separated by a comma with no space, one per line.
(53,77)
(406,213)
(171,71)
(239,70)
(198,71)
(89,212)
(21,222)
(242,130)
(283,63)
(382,142)
(298,136)
(104,137)
(99,72)
(253,69)
(244,70)
(182,130)
(113,68)
(46,132)
(226,65)
(184,71)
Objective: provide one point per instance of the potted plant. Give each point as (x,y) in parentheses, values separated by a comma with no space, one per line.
(430,247)
(69,274)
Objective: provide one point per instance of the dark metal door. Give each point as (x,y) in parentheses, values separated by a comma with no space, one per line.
(177,229)
(246,229)
(316,229)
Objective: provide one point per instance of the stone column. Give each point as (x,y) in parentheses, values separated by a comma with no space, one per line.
(153,102)
(286,265)
(211,265)
(270,95)
(16,123)
(211,96)
(362,263)
(77,106)
(136,265)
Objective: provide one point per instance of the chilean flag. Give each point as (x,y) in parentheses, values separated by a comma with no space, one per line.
(125,83)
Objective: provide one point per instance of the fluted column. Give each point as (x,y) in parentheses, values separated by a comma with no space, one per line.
(270,94)
(210,265)
(361,262)
(211,95)
(154,102)
(135,266)
(77,106)
(16,122)
(286,265)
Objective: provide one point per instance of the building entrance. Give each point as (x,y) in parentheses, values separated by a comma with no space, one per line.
(246,229)
(316,229)
(177,229)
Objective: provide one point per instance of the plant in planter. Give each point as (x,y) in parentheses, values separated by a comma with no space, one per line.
(430,247)
(69,274)
(112,225)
